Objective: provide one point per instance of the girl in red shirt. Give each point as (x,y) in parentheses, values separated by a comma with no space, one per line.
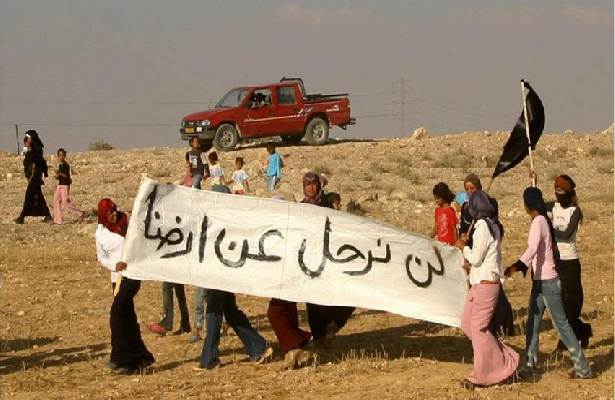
(445,223)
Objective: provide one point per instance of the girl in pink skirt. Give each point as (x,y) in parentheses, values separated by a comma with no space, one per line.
(61,195)
(494,361)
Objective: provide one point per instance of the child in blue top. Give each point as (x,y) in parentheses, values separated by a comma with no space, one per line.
(274,167)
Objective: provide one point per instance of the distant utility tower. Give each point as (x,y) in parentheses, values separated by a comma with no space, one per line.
(400,87)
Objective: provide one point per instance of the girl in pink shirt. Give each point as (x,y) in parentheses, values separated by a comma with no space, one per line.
(543,257)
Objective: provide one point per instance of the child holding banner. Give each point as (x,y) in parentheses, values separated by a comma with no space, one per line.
(503,318)
(128,352)
(324,321)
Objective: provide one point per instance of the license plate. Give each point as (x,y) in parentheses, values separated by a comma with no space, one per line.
(189,130)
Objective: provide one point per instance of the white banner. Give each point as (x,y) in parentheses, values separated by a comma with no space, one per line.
(292,251)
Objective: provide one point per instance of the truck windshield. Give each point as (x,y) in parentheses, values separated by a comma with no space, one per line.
(233,98)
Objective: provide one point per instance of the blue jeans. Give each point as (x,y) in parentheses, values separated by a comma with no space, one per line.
(271,183)
(196,181)
(221,303)
(167,305)
(547,294)
(199,307)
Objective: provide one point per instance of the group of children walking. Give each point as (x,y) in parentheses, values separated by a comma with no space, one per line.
(556,276)
(198,170)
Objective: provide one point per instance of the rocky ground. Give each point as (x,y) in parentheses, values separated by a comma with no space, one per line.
(55,297)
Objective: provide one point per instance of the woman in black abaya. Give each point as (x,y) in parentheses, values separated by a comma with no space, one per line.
(35,167)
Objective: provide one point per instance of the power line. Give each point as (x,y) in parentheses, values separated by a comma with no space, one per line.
(374,116)
(94,125)
(102,102)
(371,94)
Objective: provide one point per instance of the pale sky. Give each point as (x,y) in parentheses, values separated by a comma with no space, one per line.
(128,71)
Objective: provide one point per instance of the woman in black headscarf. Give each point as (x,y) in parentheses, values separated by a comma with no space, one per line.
(35,167)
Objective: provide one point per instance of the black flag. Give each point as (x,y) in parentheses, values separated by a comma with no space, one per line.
(516,149)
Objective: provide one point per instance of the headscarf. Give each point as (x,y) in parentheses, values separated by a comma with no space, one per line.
(37,145)
(474,179)
(106,207)
(36,151)
(480,207)
(532,197)
(564,191)
(309,178)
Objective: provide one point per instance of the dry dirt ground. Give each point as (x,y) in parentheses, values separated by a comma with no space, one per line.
(55,298)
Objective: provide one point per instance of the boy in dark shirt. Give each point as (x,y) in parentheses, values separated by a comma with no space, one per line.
(194,159)
(61,195)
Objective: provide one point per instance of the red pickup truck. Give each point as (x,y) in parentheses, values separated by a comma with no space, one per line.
(278,109)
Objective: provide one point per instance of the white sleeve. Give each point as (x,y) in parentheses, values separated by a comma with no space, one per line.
(480,245)
(108,249)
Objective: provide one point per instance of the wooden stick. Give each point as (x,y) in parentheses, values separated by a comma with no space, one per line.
(471,226)
(489,185)
(527,131)
(117,286)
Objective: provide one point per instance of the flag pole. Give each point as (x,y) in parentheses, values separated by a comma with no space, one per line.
(527,132)
(489,185)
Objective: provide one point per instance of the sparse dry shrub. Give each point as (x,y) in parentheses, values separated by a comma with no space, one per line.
(321,168)
(412,176)
(160,173)
(601,196)
(491,160)
(427,157)
(605,168)
(100,145)
(456,160)
(354,207)
(422,196)
(110,178)
(367,177)
(343,171)
(558,152)
(601,151)
(382,167)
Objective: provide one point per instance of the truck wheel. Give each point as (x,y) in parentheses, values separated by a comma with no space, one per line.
(292,139)
(226,137)
(317,132)
(205,145)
